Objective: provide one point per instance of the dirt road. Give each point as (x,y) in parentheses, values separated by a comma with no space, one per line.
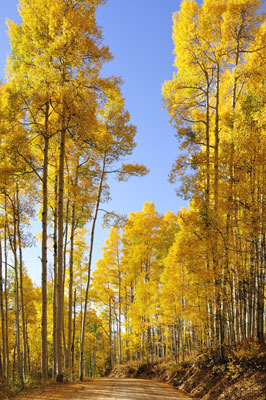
(105,389)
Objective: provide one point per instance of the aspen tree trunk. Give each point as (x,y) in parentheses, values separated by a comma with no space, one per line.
(16,292)
(149,344)
(22,308)
(28,349)
(237,312)
(217,140)
(110,334)
(64,279)
(234,316)
(70,286)
(127,300)
(249,312)
(6,297)
(55,280)
(2,314)
(207,133)
(253,258)
(181,333)
(245,310)
(65,242)
(260,304)
(178,343)
(44,247)
(1,365)
(175,343)
(14,364)
(217,274)
(252,295)
(119,341)
(60,293)
(81,372)
(154,341)
(254,311)
(74,333)
(260,271)
(232,311)
(117,338)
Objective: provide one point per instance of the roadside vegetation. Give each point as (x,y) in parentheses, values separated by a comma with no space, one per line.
(241,376)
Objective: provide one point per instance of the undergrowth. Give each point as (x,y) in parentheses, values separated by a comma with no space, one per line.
(240,375)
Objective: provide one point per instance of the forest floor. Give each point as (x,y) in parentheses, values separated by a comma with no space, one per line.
(105,389)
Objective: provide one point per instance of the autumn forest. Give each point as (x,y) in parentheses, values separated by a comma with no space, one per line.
(169,287)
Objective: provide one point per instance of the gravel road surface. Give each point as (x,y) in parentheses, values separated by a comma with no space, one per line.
(107,388)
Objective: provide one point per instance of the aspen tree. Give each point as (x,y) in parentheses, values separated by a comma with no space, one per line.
(54,53)
(218,47)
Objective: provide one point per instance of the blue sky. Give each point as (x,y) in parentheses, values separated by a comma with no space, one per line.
(138,33)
